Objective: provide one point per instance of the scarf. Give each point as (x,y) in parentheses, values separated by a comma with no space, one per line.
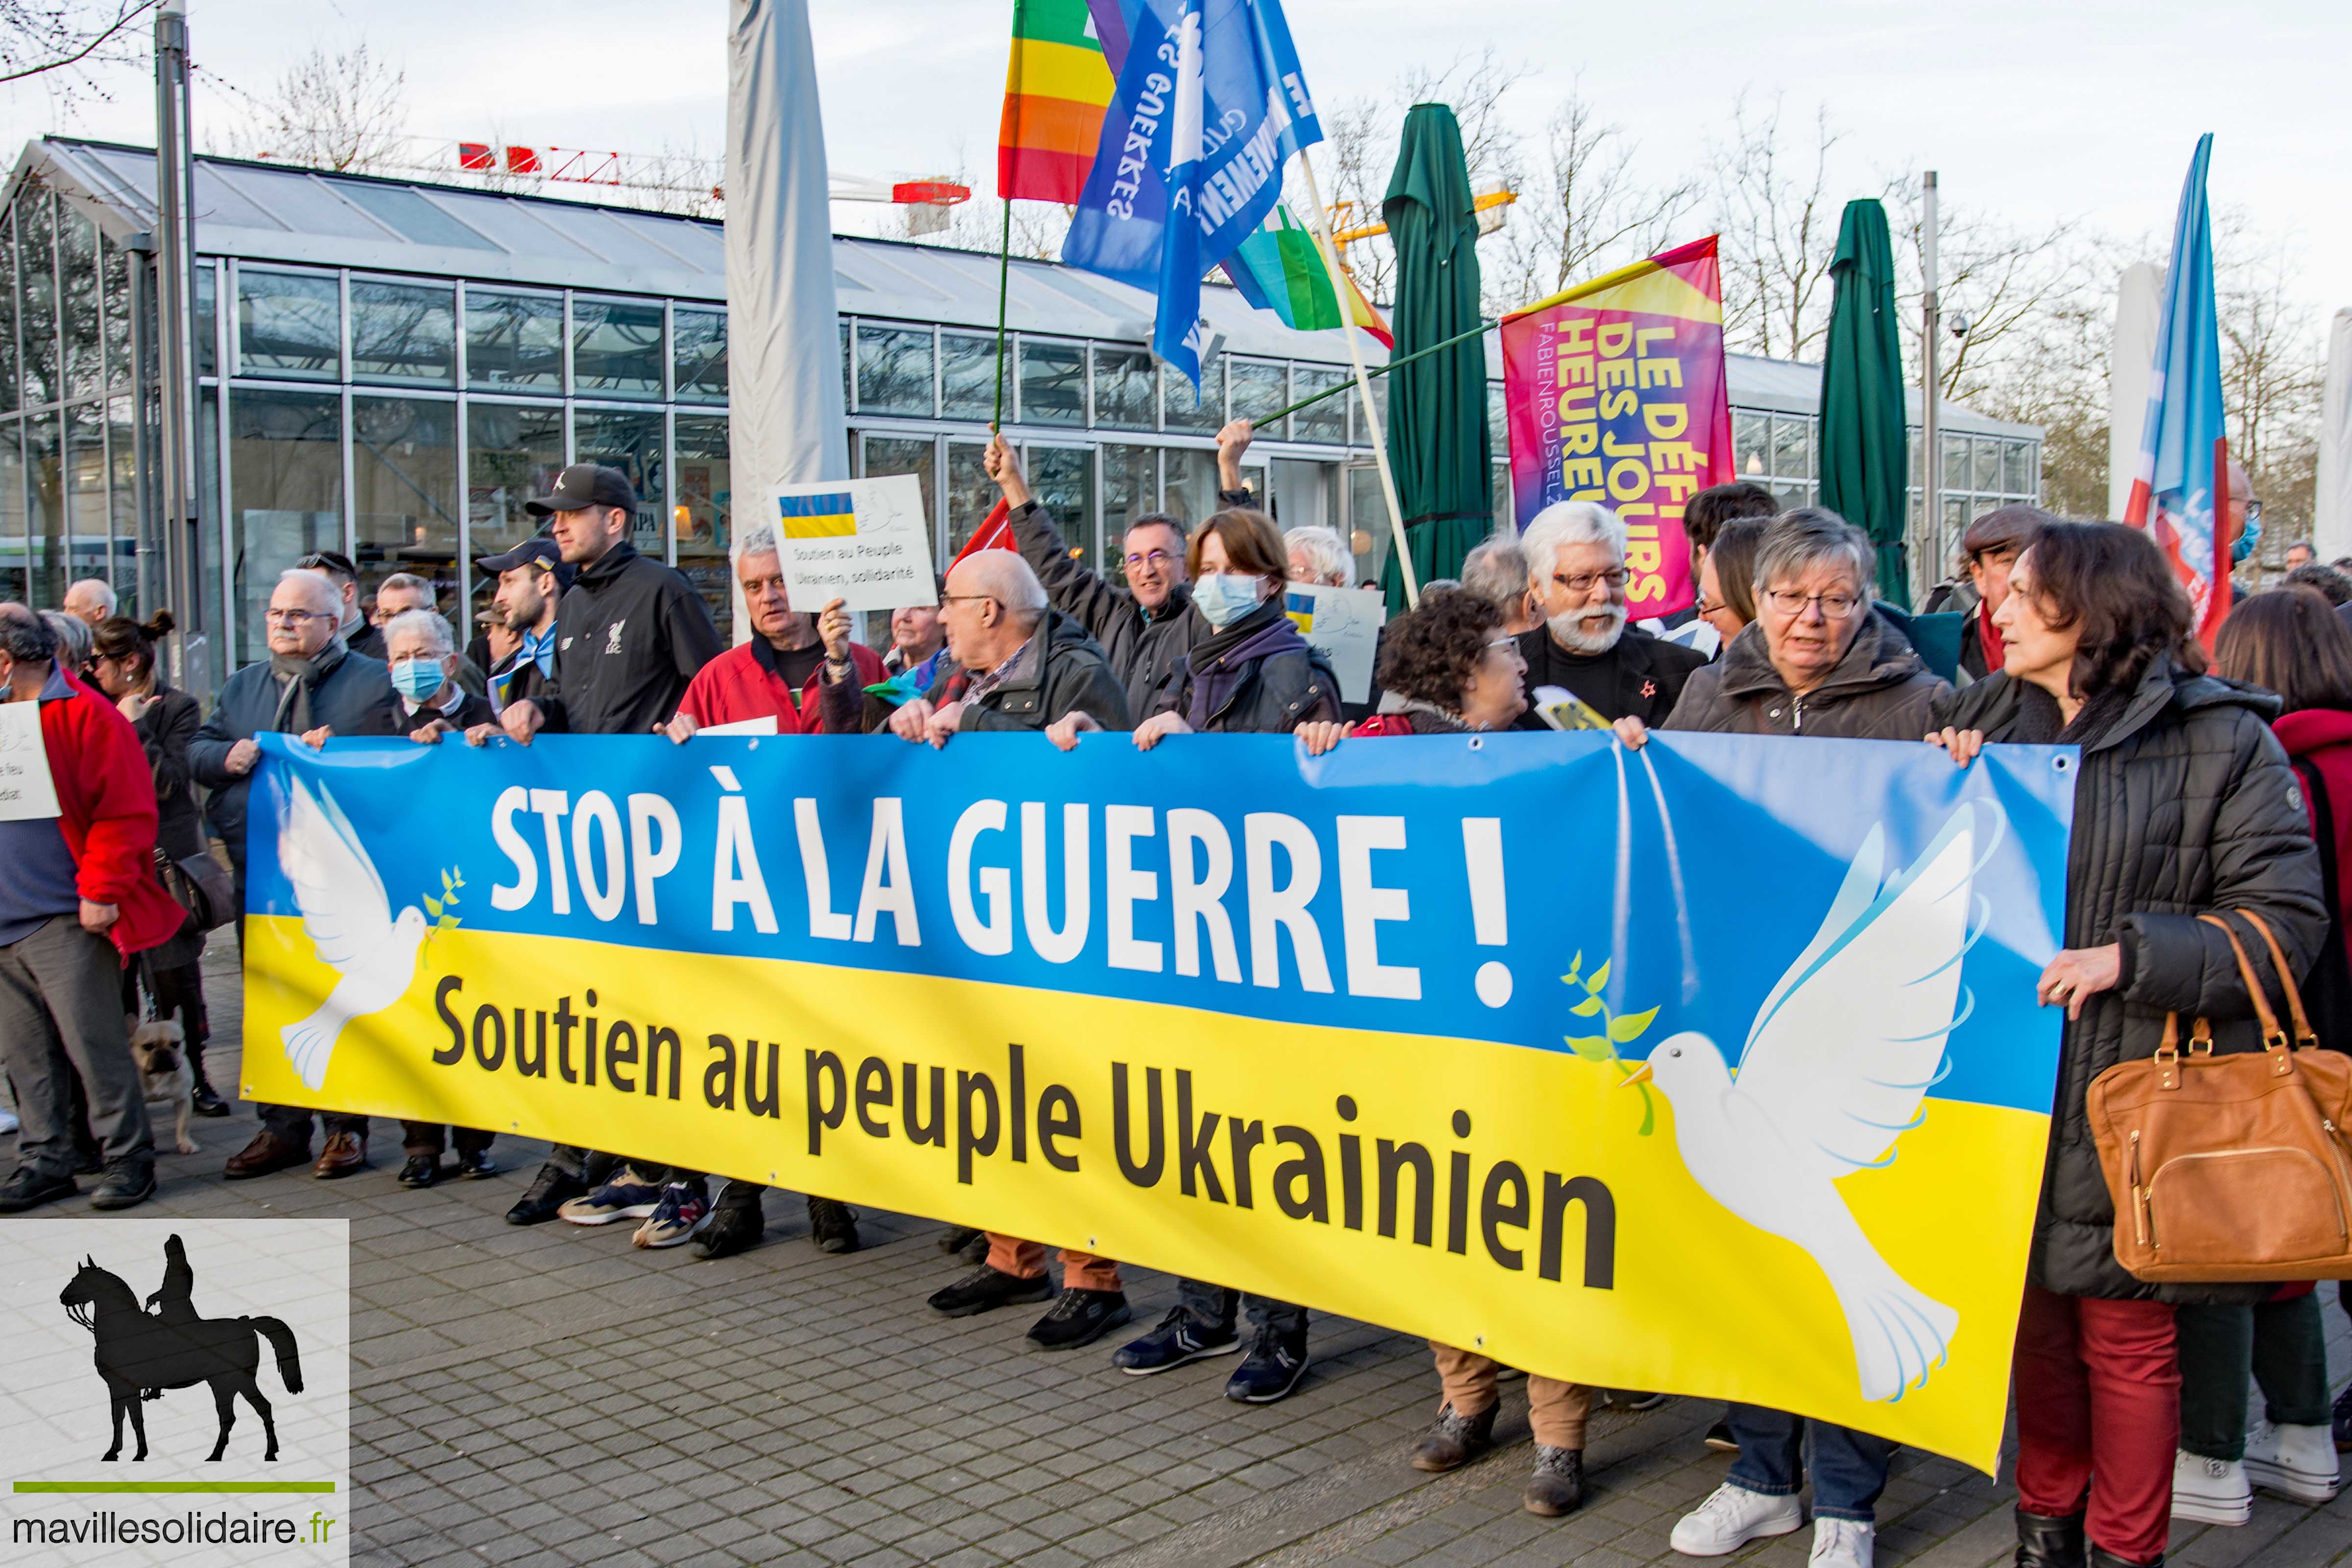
(537,647)
(299,679)
(1988,640)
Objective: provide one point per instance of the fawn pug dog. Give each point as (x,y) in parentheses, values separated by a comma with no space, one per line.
(166,1081)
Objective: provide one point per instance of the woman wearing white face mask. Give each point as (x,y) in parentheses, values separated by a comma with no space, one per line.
(1252,674)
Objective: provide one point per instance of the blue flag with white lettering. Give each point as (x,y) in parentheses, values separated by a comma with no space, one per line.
(1210,105)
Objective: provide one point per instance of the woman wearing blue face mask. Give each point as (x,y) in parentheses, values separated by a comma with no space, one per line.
(1252,674)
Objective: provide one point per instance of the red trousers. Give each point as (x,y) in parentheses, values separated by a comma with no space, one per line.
(2098,1417)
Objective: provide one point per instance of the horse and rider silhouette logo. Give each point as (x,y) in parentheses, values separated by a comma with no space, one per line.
(142,1352)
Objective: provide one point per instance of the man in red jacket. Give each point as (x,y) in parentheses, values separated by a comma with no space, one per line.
(77,897)
(782,672)
(791,669)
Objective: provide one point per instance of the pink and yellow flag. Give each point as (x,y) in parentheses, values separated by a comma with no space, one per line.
(1617,394)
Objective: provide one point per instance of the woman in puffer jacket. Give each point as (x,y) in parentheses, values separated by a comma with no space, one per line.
(2185,805)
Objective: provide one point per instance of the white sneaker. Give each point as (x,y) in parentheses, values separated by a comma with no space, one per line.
(2298,1462)
(1843,1543)
(7,1123)
(2209,1491)
(1732,1517)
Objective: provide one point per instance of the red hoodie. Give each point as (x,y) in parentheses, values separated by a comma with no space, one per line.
(2323,737)
(106,809)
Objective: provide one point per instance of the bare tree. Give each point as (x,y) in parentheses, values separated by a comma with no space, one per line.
(1360,138)
(68,37)
(1998,284)
(1590,213)
(1779,224)
(343,111)
(2271,374)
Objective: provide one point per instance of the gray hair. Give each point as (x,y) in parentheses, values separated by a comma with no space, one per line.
(760,540)
(72,635)
(98,588)
(1567,522)
(1799,540)
(1325,551)
(1005,576)
(429,622)
(24,636)
(319,588)
(1498,569)
(410,580)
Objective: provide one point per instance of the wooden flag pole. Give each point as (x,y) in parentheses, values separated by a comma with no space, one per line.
(1004,280)
(1363,382)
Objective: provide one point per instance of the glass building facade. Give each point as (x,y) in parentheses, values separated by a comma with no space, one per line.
(390,370)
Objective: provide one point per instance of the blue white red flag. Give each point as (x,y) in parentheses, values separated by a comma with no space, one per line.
(2181,490)
(1210,104)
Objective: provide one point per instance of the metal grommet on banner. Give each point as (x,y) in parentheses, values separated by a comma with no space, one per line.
(2063,764)
(1477,743)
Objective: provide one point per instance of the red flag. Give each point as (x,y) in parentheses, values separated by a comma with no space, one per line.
(994,533)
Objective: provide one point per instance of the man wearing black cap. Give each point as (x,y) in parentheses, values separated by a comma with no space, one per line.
(634,634)
(532,578)
(1992,544)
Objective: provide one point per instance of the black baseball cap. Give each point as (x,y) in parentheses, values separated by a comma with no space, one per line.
(537,551)
(585,485)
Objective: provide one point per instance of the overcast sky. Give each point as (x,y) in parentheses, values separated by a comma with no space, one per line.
(2031,109)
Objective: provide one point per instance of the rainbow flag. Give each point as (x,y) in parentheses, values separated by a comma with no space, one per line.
(1055,88)
(829,516)
(1279,268)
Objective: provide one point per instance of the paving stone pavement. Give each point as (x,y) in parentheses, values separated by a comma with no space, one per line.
(551,1397)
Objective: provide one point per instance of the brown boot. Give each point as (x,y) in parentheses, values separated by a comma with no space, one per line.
(344,1153)
(1455,1440)
(266,1154)
(1557,1485)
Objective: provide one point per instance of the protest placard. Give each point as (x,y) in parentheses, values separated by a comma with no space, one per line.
(1345,623)
(26,791)
(866,542)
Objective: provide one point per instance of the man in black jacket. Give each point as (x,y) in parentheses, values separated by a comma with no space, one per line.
(1576,566)
(1146,625)
(635,633)
(309,681)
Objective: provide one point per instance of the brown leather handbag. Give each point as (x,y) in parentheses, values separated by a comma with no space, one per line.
(2228,1168)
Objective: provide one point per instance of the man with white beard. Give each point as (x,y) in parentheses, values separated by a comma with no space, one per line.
(1576,569)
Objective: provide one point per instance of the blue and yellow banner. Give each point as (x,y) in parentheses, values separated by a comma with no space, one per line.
(1712,1068)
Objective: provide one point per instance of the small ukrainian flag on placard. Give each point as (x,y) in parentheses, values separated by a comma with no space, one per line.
(829,516)
(1300,607)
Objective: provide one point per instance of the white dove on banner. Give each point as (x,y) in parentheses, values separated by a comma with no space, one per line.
(1840,1059)
(348,917)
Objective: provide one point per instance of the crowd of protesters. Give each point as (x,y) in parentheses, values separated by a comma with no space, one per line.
(2206,785)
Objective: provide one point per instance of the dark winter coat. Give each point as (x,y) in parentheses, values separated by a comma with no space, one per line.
(630,634)
(166,730)
(1142,646)
(2185,805)
(1879,691)
(1064,671)
(1257,676)
(351,699)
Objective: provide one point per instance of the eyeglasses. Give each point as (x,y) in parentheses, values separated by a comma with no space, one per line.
(295,618)
(1148,558)
(2253,514)
(947,599)
(1615,577)
(1791,602)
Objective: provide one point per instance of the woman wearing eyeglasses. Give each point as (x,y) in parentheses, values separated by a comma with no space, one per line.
(1727,579)
(1817,660)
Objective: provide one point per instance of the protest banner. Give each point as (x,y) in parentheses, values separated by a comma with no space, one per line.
(1434,1032)
(1616,394)
(866,542)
